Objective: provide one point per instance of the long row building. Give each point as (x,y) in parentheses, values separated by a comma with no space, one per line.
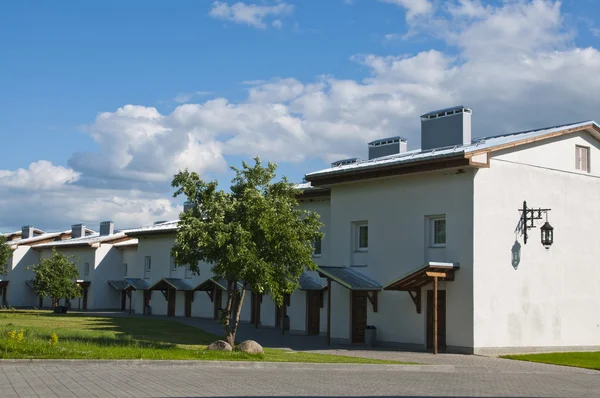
(485,245)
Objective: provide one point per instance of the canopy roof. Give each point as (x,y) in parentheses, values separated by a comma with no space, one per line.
(136,284)
(420,277)
(350,278)
(308,282)
(171,283)
(211,283)
(119,285)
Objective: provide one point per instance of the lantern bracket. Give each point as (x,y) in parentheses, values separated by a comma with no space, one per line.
(528,217)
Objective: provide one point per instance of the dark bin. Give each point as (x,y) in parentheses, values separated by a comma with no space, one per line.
(371,335)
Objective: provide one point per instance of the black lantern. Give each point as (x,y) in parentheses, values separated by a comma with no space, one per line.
(547,235)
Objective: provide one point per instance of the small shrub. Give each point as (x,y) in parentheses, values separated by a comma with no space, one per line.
(11,334)
(20,335)
(53,339)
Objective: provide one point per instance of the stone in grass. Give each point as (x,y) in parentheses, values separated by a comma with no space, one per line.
(250,347)
(219,345)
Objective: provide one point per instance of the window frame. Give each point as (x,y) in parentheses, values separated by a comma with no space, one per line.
(432,232)
(125,269)
(579,165)
(320,245)
(147,266)
(187,273)
(357,238)
(86,269)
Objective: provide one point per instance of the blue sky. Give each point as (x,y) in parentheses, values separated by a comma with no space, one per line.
(103,101)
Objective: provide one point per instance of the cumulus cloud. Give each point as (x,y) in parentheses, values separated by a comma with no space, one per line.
(517,66)
(413,7)
(41,175)
(252,15)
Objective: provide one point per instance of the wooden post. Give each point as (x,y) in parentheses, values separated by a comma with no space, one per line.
(283,317)
(328,311)
(255,309)
(435,314)
(130,294)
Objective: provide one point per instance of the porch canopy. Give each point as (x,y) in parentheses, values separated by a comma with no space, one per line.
(308,282)
(136,284)
(352,280)
(211,283)
(118,285)
(415,280)
(171,283)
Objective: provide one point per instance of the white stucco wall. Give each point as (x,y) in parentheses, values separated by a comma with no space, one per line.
(549,300)
(18,293)
(396,210)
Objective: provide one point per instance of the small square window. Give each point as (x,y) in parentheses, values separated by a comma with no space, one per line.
(582,158)
(147,267)
(173,265)
(188,272)
(125,269)
(361,232)
(438,232)
(317,247)
(86,269)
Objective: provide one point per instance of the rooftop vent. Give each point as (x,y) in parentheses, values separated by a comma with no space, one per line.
(187,206)
(386,147)
(344,162)
(77,231)
(27,232)
(446,127)
(107,228)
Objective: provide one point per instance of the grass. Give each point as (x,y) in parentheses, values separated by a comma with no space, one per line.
(588,360)
(82,337)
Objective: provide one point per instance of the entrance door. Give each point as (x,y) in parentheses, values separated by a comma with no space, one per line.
(313,318)
(171,298)
(359,316)
(218,302)
(147,294)
(85,294)
(255,306)
(188,303)
(441,320)
(123,300)
(4,295)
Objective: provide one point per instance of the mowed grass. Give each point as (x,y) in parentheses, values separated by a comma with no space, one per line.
(83,337)
(589,360)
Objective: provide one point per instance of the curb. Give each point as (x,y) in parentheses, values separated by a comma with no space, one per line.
(231,365)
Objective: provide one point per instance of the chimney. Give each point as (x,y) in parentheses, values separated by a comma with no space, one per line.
(27,232)
(107,228)
(187,206)
(386,146)
(77,231)
(446,127)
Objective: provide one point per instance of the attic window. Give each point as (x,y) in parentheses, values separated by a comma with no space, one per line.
(582,158)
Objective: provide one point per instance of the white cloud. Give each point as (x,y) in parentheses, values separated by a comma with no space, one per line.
(277,24)
(40,175)
(250,14)
(413,7)
(182,98)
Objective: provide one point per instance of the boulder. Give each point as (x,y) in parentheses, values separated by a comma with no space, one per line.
(219,345)
(250,347)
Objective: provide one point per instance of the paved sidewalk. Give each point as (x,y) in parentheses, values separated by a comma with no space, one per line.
(176,379)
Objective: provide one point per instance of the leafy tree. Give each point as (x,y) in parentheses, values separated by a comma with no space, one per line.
(5,254)
(254,236)
(56,277)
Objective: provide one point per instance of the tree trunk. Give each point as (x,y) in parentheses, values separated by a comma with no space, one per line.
(234,305)
(226,313)
(236,315)
(54,302)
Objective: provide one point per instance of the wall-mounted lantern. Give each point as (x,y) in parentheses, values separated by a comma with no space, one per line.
(528,216)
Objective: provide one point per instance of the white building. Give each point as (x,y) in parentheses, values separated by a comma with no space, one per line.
(450,212)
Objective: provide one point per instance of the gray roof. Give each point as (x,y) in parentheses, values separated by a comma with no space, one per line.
(350,278)
(178,284)
(445,110)
(165,227)
(387,139)
(308,282)
(453,151)
(221,283)
(84,240)
(137,283)
(119,285)
(44,236)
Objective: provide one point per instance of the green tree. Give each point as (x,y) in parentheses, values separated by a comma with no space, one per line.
(56,277)
(254,236)
(5,254)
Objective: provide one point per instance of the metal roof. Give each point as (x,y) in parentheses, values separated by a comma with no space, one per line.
(379,141)
(44,236)
(84,240)
(350,278)
(453,108)
(308,282)
(210,283)
(137,283)
(163,227)
(174,283)
(127,243)
(453,151)
(119,285)
(418,278)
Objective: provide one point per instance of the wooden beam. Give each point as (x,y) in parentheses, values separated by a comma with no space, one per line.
(328,311)
(436,274)
(435,315)
(373,300)
(416,298)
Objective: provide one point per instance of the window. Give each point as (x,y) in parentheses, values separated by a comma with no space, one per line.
(362,236)
(147,266)
(86,269)
(125,269)
(188,272)
(437,230)
(173,265)
(582,158)
(317,248)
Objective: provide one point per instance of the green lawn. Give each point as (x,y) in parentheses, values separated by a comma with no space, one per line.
(589,360)
(82,337)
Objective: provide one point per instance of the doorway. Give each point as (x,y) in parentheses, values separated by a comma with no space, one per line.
(123,300)
(189,297)
(171,301)
(441,327)
(255,306)
(313,311)
(359,316)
